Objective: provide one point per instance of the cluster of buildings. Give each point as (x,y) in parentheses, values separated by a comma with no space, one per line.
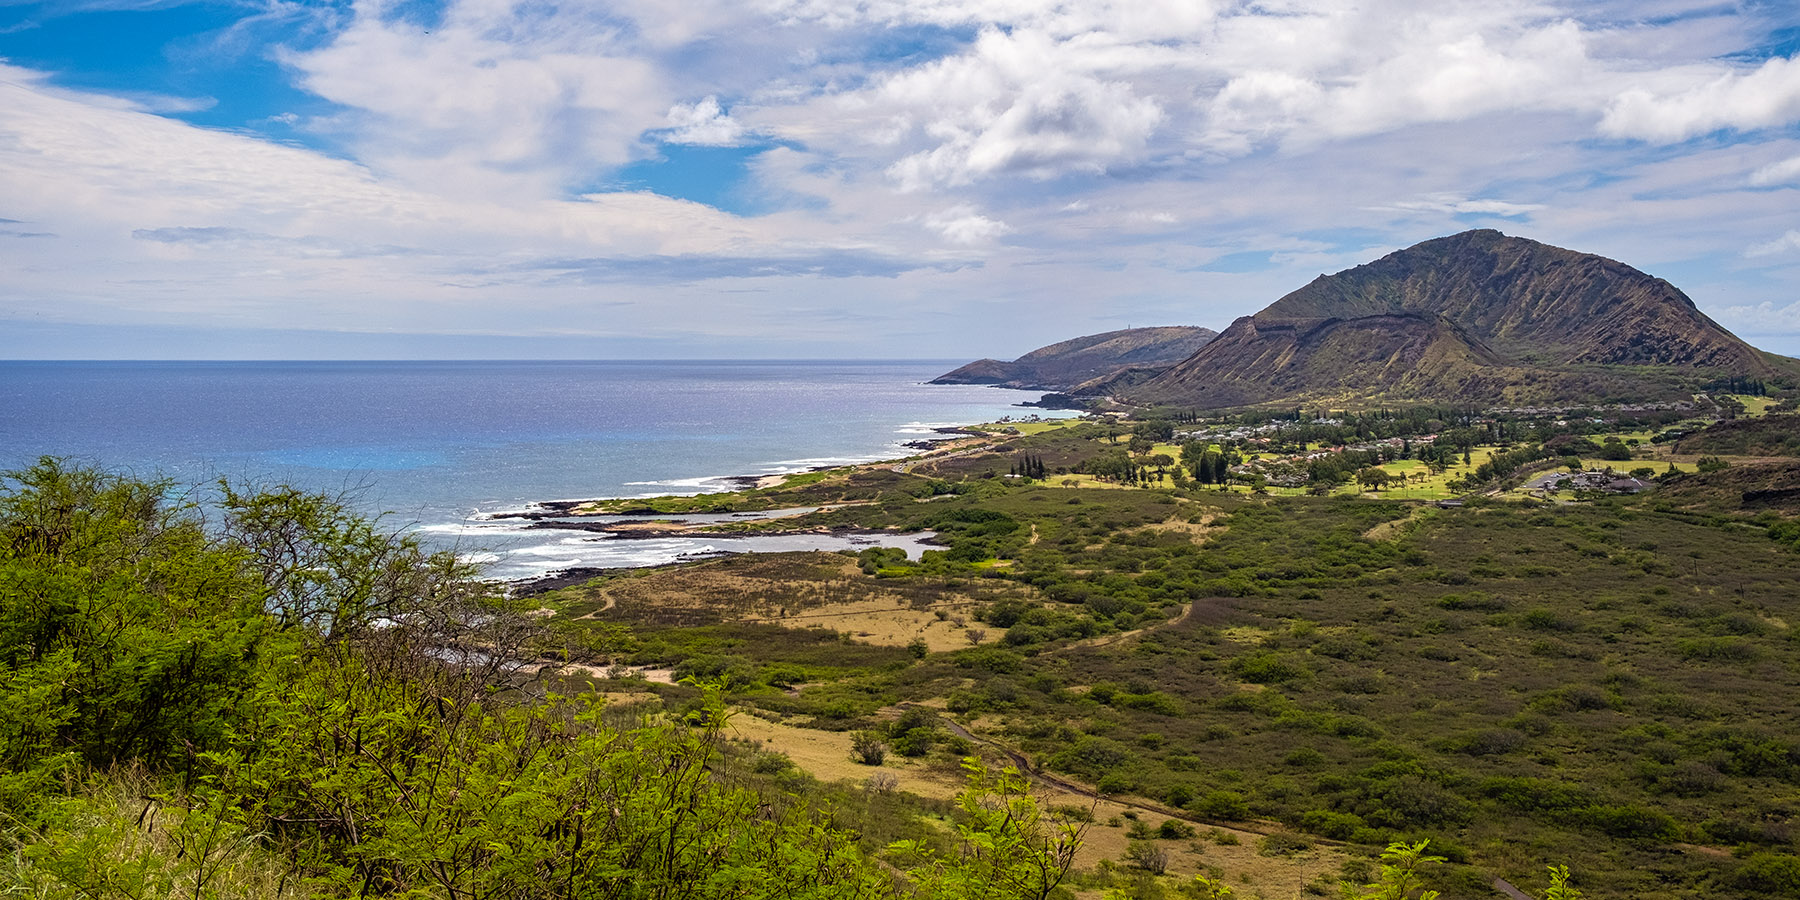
(1605,481)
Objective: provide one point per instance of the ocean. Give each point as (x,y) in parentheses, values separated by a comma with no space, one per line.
(441,447)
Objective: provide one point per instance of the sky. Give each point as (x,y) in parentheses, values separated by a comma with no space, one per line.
(944,179)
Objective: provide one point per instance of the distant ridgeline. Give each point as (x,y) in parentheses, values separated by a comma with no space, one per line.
(1067,366)
(1473,317)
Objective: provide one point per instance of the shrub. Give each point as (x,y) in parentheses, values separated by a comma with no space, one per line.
(1267,668)
(1767,873)
(1282,843)
(1339,826)
(1304,756)
(1228,805)
(866,747)
(1147,856)
(1632,822)
(915,742)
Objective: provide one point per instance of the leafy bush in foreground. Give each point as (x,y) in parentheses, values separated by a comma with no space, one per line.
(299,704)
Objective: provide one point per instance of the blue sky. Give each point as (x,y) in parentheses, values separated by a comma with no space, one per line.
(844,178)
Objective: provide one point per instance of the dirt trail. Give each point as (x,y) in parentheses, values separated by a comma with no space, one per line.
(1110,639)
(1501,885)
(605,595)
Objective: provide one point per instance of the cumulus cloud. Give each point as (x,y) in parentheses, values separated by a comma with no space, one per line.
(1708,99)
(1152,20)
(1786,171)
(704,123)
(1047,90)
(201,222)
(495,97)
(963,225)
(1337,72)
(1787,243)
(1018,103)
(1766,318)
(1065,145)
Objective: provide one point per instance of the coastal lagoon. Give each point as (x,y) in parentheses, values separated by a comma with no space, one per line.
(445,446)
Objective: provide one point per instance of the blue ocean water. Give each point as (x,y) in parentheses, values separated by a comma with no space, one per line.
(442,446)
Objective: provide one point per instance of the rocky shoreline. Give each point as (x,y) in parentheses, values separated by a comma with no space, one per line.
(646,523)
(543,510)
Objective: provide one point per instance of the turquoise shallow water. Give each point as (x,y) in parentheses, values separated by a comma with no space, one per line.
(441,446)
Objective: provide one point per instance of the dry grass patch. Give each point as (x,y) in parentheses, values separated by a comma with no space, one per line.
(1245,869)
(1387,531)
(1247,634)
(748,587)
(796,591)
(825,755)
(1199,532)
(888,622)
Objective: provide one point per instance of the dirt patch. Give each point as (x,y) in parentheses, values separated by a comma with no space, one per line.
(653,676)
(1246,870)
(1387,531)
(1246,634)
(795,590)
(657,526)
(1199,532)
(887,622)
(825,755)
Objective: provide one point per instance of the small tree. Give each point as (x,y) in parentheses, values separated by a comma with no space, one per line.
(1400,864)
(866,747)
(1208,888)
(1559,885)
(1373,478)
(1147,856)
(1008,847)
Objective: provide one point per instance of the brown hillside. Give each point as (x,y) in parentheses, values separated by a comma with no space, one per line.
(1476,316)
(1066,364)
(1776,435)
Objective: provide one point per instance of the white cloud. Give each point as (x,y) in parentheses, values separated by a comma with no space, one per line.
(1019,103)
(963,225)
(152,220)
(1787,243)
(1450,203)
(1765,318)
(496,98)
(1336,72)
(704,123)
(1003,149)
(1148,20)
(1786,171)
(1699,100)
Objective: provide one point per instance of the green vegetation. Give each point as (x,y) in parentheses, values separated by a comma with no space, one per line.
(1774,435)
(297,703)
(1600,682)
(286,700)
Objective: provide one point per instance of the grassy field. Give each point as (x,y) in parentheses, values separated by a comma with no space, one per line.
(1610,684)
(1023,428)
(1753,405)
